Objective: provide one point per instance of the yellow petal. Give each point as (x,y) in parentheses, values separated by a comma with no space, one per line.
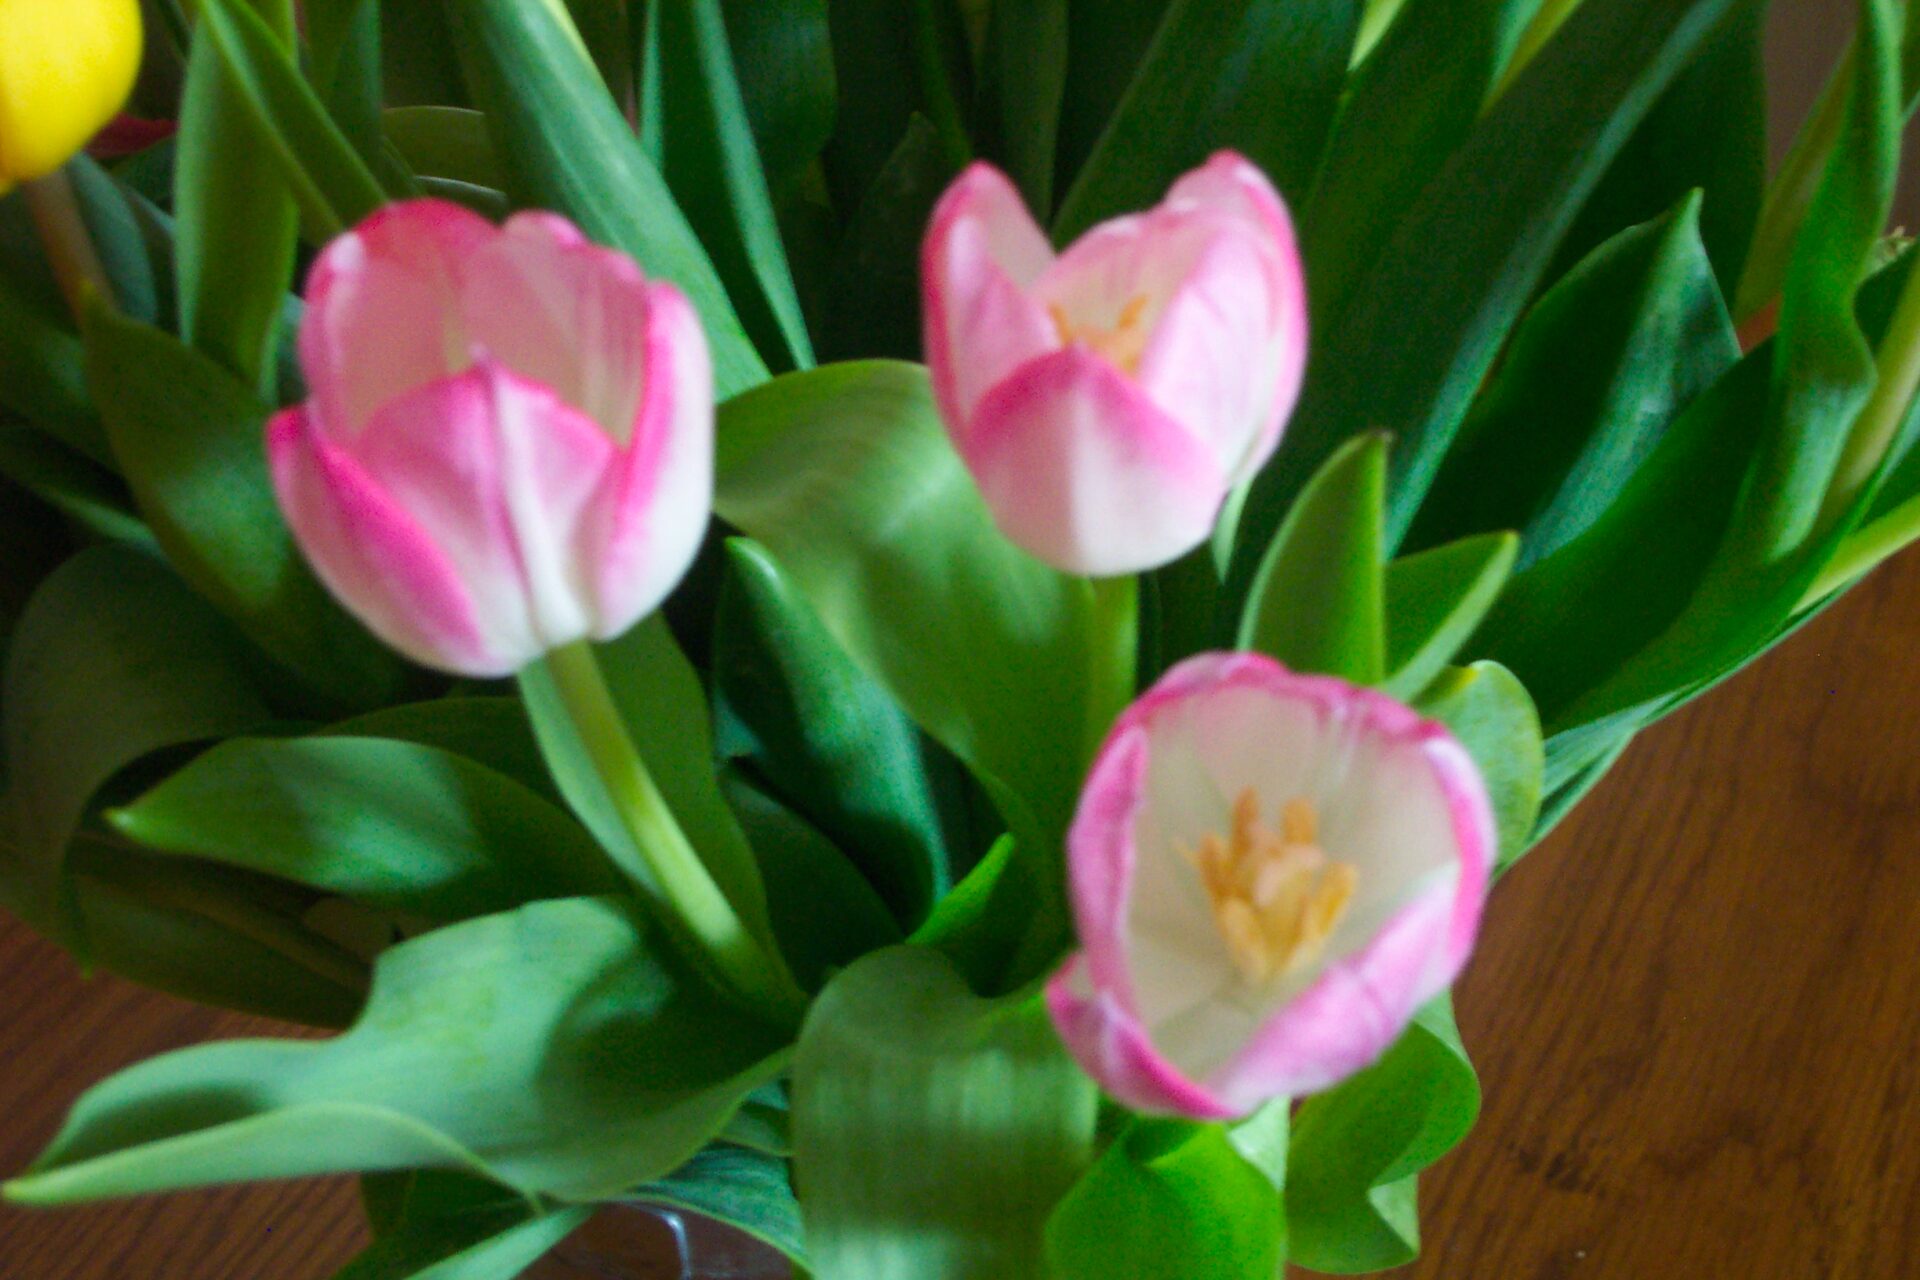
(66,67)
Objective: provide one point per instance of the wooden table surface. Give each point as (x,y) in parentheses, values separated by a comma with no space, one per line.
(1695,1010)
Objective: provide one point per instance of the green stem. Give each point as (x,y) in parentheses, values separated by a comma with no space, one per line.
(1792,191)
(68,243)
(688,889)
(1114,661)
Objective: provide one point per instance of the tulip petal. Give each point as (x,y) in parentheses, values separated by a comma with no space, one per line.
(373,555)
(1083,471)
(1106,1038)
(982,253)
(652,516)
(383,315)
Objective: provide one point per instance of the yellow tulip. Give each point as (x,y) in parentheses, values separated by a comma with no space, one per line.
(66,66)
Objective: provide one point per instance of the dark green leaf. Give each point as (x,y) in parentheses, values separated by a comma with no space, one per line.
(1318,603)
(91,496)
(1356,1149)
(558,1050)
(878,88)
(1106,40)
(784,56)
(566,146)
(113,660)
(1025,82)
(1259,76)
(189,439)
(343,41)
(1598,370)
(43,374)
(449,1226)
(825,735)
(391,824)
(1491,714)
(933,1131)
(449,143)
(1171,1200)
(744,1189)
(493,731)
(1435,600)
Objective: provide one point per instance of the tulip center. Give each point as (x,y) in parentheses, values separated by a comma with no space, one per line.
(1276,895)
(1123,343)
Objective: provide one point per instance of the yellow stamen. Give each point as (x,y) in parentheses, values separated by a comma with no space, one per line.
(1124,344)
(1276,896)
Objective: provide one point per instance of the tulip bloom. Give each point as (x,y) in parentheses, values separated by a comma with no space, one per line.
(1270,873)
(1107,399)
(66,66)
(509,445)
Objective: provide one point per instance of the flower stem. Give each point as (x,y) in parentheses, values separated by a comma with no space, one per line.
(69,245)
(700,909)
(1116,652)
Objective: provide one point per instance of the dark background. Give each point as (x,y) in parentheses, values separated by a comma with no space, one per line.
(1695,1010)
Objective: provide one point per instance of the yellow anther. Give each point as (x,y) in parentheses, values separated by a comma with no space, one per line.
(1276,897)
(1123,344)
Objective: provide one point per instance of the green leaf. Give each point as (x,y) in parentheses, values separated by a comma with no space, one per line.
(823,913)
(1610,355)
(1025,84)
(91,496)
(877,82)
(660,699)
(391,824)
(448,1226)
(113,660)
(188,437)
(744,1189)
(237,223)
(845,475)
(1106,41)
(446,142)
(1436,305)
(933,1131)
(1171,1200)
(1494,719)
(714,170)
(211,935)
(43,372)
(329,180)
(1435,600)
(1708,132)
(1259,76)
(557,1049)
(566,146)
(830,741)
(981,921)
(1356,1149)
(1318,602)
(491,731)
(784,56)
(1415,98)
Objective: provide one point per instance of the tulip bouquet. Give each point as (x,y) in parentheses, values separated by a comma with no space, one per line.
(915,626)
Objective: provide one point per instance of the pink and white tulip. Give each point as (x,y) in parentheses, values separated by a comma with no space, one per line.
(1270,873)
(1107,399)
(509,444)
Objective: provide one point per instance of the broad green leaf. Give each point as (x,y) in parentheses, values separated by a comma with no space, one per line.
(823,913)
(90,495)
(714,169)
(845,475)
(419,64)
(871,302)
(1494,719)
(933,1131)
(1608,357)
(188,438)
(211,935)
(43,374)
(113,660)
(980,923)
(606,32)
(492,731)
(880,86)
(1435,600)
(329,180)
(827,738)
(1560,800)
(446,142)
(1708,133)
(744,1189)
(1357,1148)
(762,1124)
(1416,98)
(1435,307)
(659,697)
(343,65)
(1259,76)
(390,824)
(1318,603)
(448,1226)
(557,1049)
(1106,40)
(237,223)
(1025,82)
(566,146)
(1170,1200)
(124,239)
(784,56)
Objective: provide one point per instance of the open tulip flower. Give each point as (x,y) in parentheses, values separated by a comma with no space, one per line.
(1270,873)
(1109,398)
(509,446)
